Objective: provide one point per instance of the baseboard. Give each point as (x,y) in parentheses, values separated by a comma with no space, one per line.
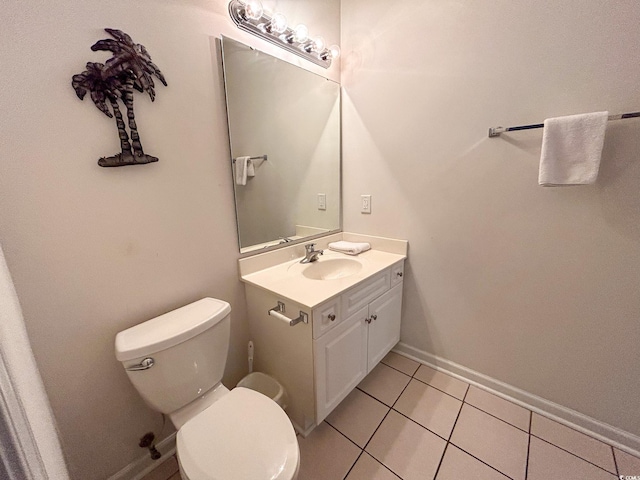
(137,469)
(301,431)
(609,434)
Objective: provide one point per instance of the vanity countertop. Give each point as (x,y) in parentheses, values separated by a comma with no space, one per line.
(287,280)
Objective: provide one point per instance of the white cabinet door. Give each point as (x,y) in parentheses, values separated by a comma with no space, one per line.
(340,362)
(384,326)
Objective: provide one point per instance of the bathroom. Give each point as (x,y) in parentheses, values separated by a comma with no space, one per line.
(535,288)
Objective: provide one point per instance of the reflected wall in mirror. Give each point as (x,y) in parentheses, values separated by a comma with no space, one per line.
(293,117)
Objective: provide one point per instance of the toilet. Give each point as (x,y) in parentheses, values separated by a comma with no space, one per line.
(176,362)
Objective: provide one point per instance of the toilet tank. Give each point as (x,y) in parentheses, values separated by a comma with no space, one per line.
(188,348)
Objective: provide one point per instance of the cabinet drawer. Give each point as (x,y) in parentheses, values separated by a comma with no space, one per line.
(397,273)
(326,316)
(356,298)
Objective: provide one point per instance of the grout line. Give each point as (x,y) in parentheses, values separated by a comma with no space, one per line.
(397,369)
(354,463)
(420,425)
(444,452)
(335,428)
(385,467)
(376,399)
(481,461)
(398,397)
(526,468)
(498,418)
(460,448)
(376,430)
(615,461)
(448,440)
(576,455)
(446,393)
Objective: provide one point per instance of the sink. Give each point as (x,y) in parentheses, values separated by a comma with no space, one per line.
(328,268)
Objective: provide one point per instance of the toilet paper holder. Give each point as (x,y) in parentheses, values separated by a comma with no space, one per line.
(278,312)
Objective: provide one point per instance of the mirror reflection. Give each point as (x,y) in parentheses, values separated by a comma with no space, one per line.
(284,128)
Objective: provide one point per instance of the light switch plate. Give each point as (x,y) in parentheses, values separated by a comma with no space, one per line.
(366,203)
(322,201)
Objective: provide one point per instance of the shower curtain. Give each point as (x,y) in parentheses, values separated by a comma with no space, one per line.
(29,445)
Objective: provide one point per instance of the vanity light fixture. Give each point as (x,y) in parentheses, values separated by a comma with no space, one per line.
(250,16)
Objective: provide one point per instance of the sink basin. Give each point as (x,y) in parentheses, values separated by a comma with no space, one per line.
(328,268)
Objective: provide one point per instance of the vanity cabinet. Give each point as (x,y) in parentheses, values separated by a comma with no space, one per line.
(320,362)
(345,355)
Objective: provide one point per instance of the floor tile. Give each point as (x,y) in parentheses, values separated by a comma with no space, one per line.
(493,441)
(441,381)
(409,450)
(384,383)
(358,416)
(498,407)
(400,362)
(165,470)
(547,461)
(367,468)
(457,465)
(429,407)
(590,449)
(325,454)
(627,464)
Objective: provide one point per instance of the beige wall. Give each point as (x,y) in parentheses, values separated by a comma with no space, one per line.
(93,251)
(536,287)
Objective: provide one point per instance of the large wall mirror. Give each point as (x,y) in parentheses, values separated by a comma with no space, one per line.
(287,120)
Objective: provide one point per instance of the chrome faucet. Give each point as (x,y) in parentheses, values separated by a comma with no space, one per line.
(311,254)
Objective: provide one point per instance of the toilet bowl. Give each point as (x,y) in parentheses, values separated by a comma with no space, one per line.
(176,362)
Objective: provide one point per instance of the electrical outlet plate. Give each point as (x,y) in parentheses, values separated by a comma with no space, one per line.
(366,203)
(322,201)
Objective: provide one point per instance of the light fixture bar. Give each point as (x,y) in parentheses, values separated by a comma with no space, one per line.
(284,40)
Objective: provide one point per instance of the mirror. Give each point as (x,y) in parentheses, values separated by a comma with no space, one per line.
(287,120)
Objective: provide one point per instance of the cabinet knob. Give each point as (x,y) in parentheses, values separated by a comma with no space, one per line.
(374,317)
(368,320)
(399,274)
(332,316)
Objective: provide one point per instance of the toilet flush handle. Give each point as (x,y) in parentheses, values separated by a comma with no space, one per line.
(143,365)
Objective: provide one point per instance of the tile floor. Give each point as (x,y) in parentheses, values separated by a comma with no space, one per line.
(408,421)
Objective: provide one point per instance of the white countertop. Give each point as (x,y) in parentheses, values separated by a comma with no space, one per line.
(286,281)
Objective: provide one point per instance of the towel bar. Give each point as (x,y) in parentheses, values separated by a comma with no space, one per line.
(259,157)
(496,131)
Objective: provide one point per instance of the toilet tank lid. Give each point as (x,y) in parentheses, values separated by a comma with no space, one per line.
(170,329)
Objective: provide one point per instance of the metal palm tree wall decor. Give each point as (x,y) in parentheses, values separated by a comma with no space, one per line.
(129,68)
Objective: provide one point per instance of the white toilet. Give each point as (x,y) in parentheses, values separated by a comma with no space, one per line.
(176,362)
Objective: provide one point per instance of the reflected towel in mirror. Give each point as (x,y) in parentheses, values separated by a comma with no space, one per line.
(244,169)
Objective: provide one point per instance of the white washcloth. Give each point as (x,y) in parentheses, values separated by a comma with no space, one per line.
(571,149)
(244,169)
(350,248)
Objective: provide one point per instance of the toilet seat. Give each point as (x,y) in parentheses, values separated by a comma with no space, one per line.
(244,435)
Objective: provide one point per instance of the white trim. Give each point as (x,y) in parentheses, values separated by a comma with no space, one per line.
(300,431)
(144,465)
(604,432)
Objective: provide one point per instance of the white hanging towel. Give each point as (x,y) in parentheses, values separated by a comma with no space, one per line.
(571,149)
(244,169)
(350,248)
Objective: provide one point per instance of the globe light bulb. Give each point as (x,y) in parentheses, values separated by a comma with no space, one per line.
(278,23)
(334,51)
(300,33)
(253,9)
(318,44)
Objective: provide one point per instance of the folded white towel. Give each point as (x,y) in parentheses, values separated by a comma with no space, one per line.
(571,149)
(244,169)
(350,248)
